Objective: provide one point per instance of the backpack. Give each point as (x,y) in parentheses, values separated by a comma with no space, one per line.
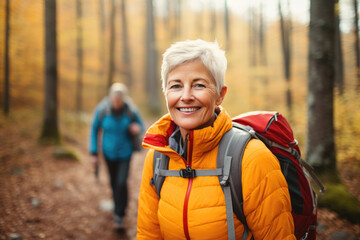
(272,129)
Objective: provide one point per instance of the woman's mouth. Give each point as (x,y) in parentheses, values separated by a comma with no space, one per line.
(188,110)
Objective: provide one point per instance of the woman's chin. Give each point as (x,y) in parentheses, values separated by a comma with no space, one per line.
(187,127)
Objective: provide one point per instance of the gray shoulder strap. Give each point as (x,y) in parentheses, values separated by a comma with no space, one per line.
(160,162)
(230,154)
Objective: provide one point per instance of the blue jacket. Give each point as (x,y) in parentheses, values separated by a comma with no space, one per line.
(116,141)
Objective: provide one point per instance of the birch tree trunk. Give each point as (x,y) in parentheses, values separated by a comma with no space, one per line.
(320,108)
(339,64)
(100,91)
(79,43)
(126,48)
(213,19)
(111,45)
(357,46)
(285,26)
(227,25)
(151,75)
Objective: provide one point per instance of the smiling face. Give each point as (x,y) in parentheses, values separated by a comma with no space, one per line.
(191,96)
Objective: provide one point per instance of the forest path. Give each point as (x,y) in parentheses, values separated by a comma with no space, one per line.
(42,197)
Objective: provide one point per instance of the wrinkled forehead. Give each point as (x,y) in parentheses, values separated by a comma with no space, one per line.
(192,61)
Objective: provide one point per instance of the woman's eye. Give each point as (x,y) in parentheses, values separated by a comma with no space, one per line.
(175,86)
(199,85)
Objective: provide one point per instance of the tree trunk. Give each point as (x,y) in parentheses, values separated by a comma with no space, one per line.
(227,23)
(252,36)
(100,91)
(199,20)
(152,81)
(320,129)
(339,65)
(262,40)
(263,56)
(126,48)
(252,50)
(167,18)
(7,60)
(357,46)
(111,45)
(213,19)
(79,41)
(50,123)
(177,18)
(285,27)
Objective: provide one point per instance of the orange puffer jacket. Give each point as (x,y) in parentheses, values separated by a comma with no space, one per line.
(194,208)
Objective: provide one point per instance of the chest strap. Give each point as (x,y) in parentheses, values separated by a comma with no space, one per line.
(190,173)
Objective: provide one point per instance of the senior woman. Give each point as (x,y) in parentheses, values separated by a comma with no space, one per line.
(193,80)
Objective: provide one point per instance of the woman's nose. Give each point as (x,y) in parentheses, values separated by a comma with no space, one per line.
(187,94)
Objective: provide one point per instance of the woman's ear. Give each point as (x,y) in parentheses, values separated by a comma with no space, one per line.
(221,97)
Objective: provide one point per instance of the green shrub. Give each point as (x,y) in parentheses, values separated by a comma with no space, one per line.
(338,199)
(63,153)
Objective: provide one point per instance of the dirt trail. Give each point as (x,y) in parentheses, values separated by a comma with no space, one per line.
(46,198)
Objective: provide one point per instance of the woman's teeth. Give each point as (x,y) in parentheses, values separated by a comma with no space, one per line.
(188,109)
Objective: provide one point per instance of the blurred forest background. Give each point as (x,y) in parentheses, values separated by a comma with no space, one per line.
(104,41)
(99,42)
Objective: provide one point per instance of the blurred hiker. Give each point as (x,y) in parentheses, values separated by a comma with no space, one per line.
(191,203)
(120,123)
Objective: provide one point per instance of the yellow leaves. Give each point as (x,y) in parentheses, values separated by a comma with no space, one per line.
(347,134)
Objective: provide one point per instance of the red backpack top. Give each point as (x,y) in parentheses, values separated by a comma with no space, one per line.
(273,129)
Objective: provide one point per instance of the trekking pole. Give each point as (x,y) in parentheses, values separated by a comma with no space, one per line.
(96,171)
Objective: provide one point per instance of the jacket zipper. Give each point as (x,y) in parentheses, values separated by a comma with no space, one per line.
(187,195)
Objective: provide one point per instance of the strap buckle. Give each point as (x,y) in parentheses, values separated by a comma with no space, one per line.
(305,236)
(187,173)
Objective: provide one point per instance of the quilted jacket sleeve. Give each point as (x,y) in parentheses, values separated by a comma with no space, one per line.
(147,221)
(267,204)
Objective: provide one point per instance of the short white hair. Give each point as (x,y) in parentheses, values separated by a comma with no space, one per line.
(209,53)
(118,89)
